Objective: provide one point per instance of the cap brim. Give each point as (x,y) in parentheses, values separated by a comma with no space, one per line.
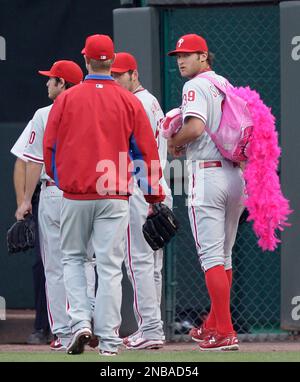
(46,73)
(119,70)
(173,52)
(83,51)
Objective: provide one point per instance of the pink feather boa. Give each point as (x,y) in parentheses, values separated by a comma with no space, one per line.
(267,207)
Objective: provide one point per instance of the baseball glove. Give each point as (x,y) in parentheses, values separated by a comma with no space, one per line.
(172,123)
(160,226)
(21,235)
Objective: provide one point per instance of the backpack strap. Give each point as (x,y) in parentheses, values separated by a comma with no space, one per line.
(215,82)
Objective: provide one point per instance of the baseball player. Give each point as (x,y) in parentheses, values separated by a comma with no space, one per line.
(143,265)
(215,189)
(40,335)
(62,75)
(95,129)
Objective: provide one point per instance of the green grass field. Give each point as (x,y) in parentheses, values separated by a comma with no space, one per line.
(146,356)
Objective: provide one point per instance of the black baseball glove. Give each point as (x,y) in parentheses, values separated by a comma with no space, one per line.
(160,226)
(244,216)
(21,235)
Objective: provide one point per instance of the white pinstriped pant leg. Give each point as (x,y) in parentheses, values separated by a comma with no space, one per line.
(215,205)
(49,227)
(139,262)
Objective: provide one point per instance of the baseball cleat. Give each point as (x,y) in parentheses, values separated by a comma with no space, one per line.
(38,337)
(132,338)
(142,343)
(201,334)
(80,338)
(107,353)
(126,340)
(218,342)
(56,345)
(94,342)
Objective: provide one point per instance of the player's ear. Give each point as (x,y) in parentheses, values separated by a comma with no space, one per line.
(87,61)
(203,56)
(62,82)
(135,74)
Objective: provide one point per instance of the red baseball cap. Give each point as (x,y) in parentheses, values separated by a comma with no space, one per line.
(68,70)
(99,47)
(190,43)
(123,63)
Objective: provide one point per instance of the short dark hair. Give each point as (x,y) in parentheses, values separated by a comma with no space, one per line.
(130,72)
(68,85)
(210,58)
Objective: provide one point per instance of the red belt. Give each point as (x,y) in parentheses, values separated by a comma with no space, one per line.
(48,183)
(210,163)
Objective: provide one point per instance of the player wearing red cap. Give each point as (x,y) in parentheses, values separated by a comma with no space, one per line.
(63,74)
(94,132)
(215,188)
(143,265)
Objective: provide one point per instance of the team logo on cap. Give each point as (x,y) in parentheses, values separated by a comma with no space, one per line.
(103,57)
(180,42)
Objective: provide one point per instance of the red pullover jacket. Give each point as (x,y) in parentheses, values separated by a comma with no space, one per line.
(94,132)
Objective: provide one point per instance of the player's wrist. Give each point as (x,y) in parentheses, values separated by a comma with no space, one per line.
(27,200)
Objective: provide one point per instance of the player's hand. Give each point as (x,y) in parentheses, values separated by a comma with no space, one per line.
(23,210)
(175,151)
(171,147)
(150,210)
(180,151)
(242,165)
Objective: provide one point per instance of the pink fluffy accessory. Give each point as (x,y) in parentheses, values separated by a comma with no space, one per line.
(267,207)
(247,134)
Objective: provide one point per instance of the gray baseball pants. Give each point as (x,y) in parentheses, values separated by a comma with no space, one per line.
(105,221)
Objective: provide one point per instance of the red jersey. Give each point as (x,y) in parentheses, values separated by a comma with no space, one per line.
(94,132)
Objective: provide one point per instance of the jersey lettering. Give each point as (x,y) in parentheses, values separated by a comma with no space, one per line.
(215,92)
(191,95)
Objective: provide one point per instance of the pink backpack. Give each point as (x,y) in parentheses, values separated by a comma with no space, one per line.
(234,132)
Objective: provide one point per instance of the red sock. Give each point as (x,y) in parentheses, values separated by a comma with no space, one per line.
(210,322)
(219,291)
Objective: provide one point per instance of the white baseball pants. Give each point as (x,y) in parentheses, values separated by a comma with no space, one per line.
(215,203)
(49,229)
